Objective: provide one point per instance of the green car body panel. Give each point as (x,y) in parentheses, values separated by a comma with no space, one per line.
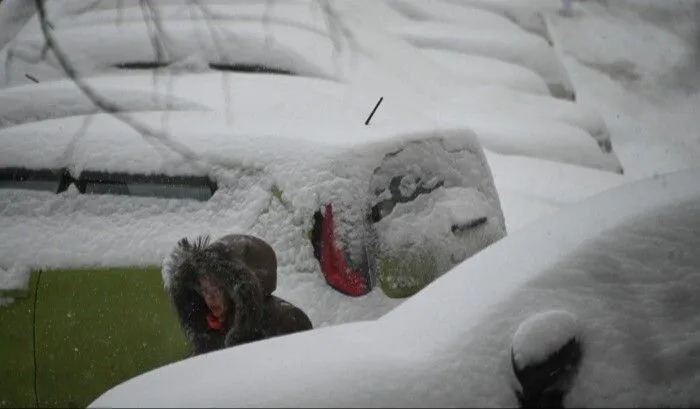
(90,329)
(17,348)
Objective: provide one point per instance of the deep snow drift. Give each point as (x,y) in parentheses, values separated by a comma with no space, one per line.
(623,263)
(637,62)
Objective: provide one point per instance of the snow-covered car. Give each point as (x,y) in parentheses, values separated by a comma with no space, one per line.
(595,307)
(297,167)
(287,157)
(341,44)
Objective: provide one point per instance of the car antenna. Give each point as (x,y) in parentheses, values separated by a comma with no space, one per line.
(369,118)
(31,78)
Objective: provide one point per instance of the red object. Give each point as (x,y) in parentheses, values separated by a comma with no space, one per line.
(214,323)
(334,265)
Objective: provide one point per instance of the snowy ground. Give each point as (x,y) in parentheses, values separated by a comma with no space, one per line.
(616,274)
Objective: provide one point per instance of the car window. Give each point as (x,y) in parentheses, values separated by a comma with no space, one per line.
(48,180)
(398,195)
(58,180)
(416,169)
(161,186)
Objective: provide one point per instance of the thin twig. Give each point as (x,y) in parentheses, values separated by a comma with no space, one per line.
(102,103)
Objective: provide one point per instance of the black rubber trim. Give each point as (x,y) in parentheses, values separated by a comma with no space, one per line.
(141,65)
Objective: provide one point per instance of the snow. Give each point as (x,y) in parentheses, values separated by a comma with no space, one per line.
(520,48)
(443,209)
(526,13)
(14,277)
(13,15)
(484,71)
(531,188)
(241,42)
(312,118)
(373,61)
(636,64)
(61,99)
(246,157)
(539,178)
(621,256)
(524,106)
(450,13)
(68,223)
(551,140)
(542,335)
(603,260)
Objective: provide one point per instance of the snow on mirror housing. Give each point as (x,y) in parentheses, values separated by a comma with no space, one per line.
(90,182)
(426,214)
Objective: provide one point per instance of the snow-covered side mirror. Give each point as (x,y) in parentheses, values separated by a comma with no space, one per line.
(546,354)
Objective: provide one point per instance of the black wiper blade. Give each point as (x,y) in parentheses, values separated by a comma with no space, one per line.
(474,223)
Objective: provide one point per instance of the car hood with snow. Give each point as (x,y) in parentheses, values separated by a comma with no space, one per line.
(617,273)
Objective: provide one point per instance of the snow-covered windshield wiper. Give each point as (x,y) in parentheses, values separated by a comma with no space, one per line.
(249,68)
(141,65)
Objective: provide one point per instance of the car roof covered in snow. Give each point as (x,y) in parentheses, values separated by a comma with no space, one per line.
(294,37)
(251,121)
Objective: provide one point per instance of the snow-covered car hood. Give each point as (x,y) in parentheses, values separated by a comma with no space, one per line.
(623,263)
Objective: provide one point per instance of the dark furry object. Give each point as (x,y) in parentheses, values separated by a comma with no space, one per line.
(246,267)
(188,262)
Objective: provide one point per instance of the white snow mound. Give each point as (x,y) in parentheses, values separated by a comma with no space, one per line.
(543,334)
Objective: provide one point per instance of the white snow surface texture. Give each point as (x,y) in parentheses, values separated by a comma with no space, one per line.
(624,263)
(543,334)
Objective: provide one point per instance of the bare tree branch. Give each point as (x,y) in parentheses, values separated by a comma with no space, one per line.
(340,34)
(105,105)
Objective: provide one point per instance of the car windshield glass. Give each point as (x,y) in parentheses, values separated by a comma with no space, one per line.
(167,191)
(418,168)
(162,186)
(398,195)
(47,180)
